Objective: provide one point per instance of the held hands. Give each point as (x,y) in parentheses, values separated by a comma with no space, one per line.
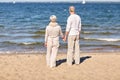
(45,44)
(64,39)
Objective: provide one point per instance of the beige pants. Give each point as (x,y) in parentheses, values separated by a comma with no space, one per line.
(73,47)
(52,49)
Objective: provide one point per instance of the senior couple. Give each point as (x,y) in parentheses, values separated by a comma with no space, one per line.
(72,34)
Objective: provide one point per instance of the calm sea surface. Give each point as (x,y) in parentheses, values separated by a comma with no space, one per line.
(22,26)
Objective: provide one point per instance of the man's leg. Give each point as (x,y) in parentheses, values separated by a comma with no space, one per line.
(77,51)
(70,50)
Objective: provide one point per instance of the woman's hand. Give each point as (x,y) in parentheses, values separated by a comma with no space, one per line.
(45,44)
(64,39)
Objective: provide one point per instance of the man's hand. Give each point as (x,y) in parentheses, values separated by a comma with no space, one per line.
(64,39)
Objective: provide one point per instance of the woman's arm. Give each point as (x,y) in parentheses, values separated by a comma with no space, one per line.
(46,37)
(61,33)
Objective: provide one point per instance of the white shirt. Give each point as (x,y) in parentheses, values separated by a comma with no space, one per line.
(73,24)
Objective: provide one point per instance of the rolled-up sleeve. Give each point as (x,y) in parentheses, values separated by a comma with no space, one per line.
(68,26)
(46,34)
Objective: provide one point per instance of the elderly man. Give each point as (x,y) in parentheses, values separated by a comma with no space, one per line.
(73,29)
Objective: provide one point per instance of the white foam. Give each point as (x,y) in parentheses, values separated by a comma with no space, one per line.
(26,43)
(103,39)
(108,39)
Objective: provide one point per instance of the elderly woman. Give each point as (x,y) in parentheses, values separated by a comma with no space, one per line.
(53,31)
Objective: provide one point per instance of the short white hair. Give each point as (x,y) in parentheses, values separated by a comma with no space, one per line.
(53,18)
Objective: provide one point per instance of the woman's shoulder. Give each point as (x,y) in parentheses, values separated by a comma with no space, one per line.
(47,27)
(58,26)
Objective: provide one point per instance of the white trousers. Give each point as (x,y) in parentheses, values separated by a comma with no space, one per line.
(52,49)
(73,49)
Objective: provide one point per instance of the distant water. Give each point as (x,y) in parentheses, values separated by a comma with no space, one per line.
(22,26)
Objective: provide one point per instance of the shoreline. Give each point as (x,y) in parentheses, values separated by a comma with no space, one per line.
(44,53)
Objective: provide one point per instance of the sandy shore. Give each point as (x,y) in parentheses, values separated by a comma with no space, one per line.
(97,66)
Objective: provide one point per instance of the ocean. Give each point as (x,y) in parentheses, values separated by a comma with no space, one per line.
(22,26)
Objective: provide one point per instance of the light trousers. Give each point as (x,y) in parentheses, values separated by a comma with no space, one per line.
(52,49)
(73,52)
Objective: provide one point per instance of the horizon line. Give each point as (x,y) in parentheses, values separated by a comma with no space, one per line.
(58,1)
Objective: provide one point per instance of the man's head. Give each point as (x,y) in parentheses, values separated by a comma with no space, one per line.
(72,9)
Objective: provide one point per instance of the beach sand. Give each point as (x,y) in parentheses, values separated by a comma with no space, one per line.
(94,66)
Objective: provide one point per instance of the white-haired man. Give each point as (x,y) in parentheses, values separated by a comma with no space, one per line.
(73,29)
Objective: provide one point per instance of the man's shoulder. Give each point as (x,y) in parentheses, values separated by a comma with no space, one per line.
(77,15)
(70,17)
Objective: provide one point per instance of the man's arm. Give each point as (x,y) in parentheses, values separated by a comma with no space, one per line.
(68,27)
(66,35)
(79,27)
(61,33)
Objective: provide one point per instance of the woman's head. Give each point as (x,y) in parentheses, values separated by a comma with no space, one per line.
(53,18)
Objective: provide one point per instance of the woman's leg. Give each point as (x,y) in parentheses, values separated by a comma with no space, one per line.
(53,56)
(48,55)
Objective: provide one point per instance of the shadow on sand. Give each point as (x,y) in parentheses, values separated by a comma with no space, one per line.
(82,59)
(59,62)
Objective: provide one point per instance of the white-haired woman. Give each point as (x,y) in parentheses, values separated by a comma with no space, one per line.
(52,33)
